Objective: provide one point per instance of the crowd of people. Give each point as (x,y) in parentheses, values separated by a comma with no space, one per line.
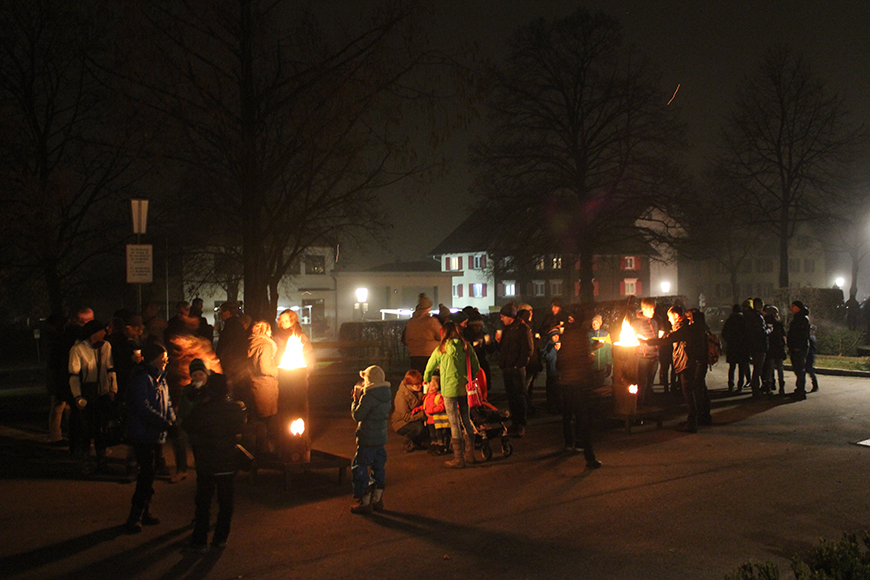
(146,380)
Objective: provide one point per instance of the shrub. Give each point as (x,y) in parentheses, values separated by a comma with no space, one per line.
(836,339)
(847,559)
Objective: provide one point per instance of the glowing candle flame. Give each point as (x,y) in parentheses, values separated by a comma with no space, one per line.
(293,357)
(627,336)
(632,389)
(297,427)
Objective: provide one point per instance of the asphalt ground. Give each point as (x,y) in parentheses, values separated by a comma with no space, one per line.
(769,479)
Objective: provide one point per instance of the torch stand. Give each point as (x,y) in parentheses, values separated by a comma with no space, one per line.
(625,402)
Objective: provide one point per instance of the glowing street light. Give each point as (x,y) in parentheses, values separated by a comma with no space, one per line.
(840,282)
(362,302)
(666,287)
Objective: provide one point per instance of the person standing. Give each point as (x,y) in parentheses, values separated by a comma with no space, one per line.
(371,410)
(149,415)
(775,351)
(213,425)
(602,363)
(736,349)
(93,386)
(515,349)
(232,346)
(422,334)
(263,369)
(646,325)
(756,341)
(577,381)
(799,346)
(452,358)
(535,365)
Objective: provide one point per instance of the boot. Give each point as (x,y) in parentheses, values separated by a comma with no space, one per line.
(364,504)
(148,519)
(469,450)
(458,460)
(132,526)
(378,499)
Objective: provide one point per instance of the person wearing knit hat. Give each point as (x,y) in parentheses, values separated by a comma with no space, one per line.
(515,351)
(370,409)
(422,334)
(799,346)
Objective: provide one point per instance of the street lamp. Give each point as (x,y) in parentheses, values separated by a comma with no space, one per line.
(839,282)
(362,304)
(666,287)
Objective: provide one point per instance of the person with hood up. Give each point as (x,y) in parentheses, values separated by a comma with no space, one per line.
(409,419)
(93,385)
(149,416)
(453,357)
(421,334)
(371,410)
(799,346)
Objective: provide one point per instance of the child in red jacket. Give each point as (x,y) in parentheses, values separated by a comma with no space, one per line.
(436,419)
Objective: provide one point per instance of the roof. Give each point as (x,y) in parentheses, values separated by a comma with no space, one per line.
(421,266)
(467,237)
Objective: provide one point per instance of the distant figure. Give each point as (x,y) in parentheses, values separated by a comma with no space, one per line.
(515,349)
(736,349)
(756,340)
(773,360)
(371,410)
(421,334)
(799,346)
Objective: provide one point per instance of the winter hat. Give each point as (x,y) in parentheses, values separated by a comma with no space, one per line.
(598,318)
(373,376)
(92,327)
(423,302)
(799,304)
(151,351)
(459,317)
(508,310)
(197,364)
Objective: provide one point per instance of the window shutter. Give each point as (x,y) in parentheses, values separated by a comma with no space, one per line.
(447,264)
(470,262)
(637,267)
(577,288)
(595,287)
(483,262)
(459,263)
(471,290)
(622,287)
(638,288)
(594,263)
(459,289)
(500,290)
(484,290)
(622,264)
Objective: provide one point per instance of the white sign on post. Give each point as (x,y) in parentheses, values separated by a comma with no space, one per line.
(140,264)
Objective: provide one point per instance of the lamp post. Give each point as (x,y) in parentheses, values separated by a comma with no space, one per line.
(666,287)
(362,297)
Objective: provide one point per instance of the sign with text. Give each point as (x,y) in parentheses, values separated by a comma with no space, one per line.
(140,264)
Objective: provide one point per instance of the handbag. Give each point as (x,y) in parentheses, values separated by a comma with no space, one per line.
(476,387)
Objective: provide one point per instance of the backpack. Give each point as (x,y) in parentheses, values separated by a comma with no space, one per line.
(714,349)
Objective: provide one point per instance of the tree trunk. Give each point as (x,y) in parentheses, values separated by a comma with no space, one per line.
(587,288)
(735,293)
(783,248)
(853,287)
(53,286)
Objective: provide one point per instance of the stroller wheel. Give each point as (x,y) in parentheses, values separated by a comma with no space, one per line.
(506,448)
(487,451)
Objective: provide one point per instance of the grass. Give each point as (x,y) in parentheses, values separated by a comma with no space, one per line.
(850,363)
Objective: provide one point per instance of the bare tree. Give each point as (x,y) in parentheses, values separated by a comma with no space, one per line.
(788,148)
(580,142)
(291,135)
(66,155)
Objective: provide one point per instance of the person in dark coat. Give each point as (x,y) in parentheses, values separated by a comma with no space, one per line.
(799,346)
(478,336)
(149,416)
(232,346)
(576,381)
(646,325)
(775,351)
(214,425)
(515,349)
(736,349)
(757,332)
(690,363)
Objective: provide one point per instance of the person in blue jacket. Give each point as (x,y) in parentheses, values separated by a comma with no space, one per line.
(371,410)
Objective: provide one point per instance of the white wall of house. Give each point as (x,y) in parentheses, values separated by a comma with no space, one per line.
(386,291)
(471,281)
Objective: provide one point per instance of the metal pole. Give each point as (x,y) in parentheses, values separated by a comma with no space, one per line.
(139,285)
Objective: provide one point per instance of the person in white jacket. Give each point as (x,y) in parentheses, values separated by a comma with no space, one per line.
(93,385)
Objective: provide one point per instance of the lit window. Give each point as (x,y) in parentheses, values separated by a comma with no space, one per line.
(315,264)
(477,290)
(630,287)
(556,262)
(510,288)
(477,264)
(540,263)
(629,263)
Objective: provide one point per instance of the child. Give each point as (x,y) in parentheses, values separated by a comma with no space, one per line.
(436,418)
(371,409)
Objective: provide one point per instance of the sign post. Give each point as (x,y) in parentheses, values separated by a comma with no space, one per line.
(140,268)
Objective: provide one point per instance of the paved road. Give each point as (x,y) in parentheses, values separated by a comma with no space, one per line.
(767,481)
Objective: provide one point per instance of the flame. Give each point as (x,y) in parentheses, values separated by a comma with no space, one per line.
(627,336)
(293,358)
(632,389)
(297,427)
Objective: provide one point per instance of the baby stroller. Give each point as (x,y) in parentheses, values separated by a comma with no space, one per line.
(488,421)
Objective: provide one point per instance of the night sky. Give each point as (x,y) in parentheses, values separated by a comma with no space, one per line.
(705,47)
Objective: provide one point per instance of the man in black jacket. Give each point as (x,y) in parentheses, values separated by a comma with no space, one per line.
(213,426)
(515,349)
(756,341)
(799,346)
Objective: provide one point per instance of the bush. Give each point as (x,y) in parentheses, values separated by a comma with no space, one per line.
(836,339)
(847,559)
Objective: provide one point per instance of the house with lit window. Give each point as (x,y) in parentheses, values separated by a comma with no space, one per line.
(476,281)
